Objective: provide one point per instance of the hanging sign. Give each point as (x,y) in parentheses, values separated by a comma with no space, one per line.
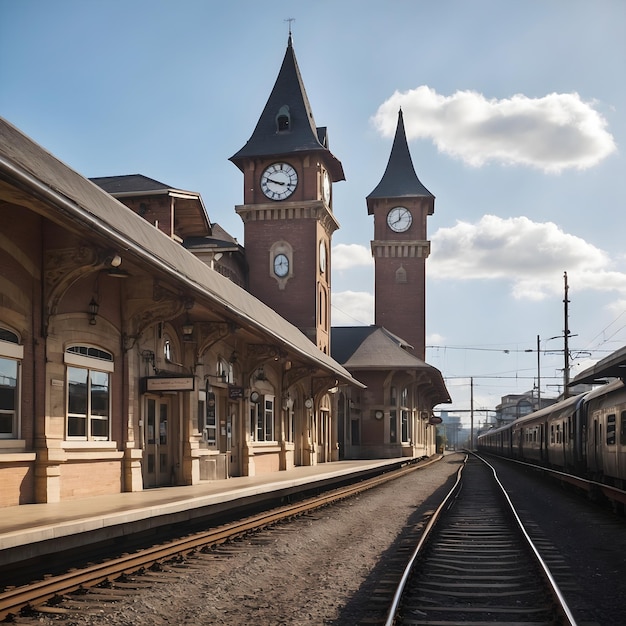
(234,392)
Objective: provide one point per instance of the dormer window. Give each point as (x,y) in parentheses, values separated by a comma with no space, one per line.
(283,119)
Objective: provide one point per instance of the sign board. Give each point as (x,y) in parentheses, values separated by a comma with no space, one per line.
(435,420)
(235,393)
(168,383)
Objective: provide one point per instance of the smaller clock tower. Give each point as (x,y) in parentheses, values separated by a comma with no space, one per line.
(400,205)
(287,212)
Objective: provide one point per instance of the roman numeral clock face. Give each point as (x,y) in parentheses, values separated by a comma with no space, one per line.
(279,181)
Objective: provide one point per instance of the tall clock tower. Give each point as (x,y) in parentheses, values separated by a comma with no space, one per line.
(400,205)
(287,212)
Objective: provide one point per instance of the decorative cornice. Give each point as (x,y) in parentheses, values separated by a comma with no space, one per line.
(293,210)
(400,249)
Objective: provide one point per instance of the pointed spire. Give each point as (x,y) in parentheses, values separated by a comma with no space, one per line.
(399,179)
(286,124)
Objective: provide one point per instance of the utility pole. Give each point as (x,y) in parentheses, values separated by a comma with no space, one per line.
(538,375)
(566,342)
(472,413)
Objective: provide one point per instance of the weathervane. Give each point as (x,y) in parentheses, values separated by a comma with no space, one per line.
(290,19)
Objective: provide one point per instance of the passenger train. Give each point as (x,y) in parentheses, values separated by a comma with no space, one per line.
(583,435)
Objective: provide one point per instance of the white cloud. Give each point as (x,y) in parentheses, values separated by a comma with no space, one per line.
(352,308)
(532,256)
(552,133)
(348,256)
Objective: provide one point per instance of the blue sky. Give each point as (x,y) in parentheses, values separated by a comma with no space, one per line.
(516,118)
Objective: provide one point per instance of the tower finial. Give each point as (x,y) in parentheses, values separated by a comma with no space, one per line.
(290,20)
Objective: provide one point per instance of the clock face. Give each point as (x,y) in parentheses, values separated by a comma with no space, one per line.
(326,187)
(322,257)
(279,181)
(399,219)
(281,265)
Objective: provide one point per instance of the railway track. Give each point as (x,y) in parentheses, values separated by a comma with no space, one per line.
(475,563)
(52,594)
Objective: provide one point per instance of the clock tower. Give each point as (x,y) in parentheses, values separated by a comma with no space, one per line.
(400,205)
(287,213)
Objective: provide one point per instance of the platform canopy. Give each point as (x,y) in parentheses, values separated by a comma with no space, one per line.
(612,366)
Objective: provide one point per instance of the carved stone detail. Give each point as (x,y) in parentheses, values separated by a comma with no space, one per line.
(63,268)
(323,383)
(296,374)
(209,333)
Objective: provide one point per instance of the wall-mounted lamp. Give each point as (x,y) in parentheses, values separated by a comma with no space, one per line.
(93,311)
(149,358)
(188,326)
(260,374)
(187,329)
(115,260)
(287,402)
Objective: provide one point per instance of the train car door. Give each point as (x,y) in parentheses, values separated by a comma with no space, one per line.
(158,461)
(596,456)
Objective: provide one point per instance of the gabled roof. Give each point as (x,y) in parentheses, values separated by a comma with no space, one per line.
(129,183)
(360,348)
(612,366)
(191,214)
(302,134)
(399,179)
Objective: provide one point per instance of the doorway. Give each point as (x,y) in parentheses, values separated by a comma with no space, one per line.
(158,464)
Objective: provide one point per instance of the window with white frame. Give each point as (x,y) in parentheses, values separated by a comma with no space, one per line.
(207,415)
(89,372)
(11,355)
(262,419)
(404,415)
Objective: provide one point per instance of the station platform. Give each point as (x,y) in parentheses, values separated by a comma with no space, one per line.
(34,530)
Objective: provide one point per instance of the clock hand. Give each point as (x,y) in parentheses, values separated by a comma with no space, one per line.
(276,182)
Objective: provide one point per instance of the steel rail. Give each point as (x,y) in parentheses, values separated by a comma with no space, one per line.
(13,600)
(395,603)
(392,613)
(613,494)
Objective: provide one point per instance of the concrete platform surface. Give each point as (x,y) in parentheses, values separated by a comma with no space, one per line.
(62,524)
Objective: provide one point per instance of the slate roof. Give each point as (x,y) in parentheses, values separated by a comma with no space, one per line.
(375,348)
(129,183)
(399,179)
(302,136)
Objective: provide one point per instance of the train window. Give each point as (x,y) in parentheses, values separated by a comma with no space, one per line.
(622,431)
(551,433)
(610,430)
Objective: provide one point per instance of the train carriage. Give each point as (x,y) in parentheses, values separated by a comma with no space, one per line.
(605,436)
(583,435)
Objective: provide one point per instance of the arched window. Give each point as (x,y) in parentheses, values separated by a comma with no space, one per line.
(283,119)
(89,372)
(11,355)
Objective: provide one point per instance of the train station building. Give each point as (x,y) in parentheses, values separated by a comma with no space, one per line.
(142,346)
